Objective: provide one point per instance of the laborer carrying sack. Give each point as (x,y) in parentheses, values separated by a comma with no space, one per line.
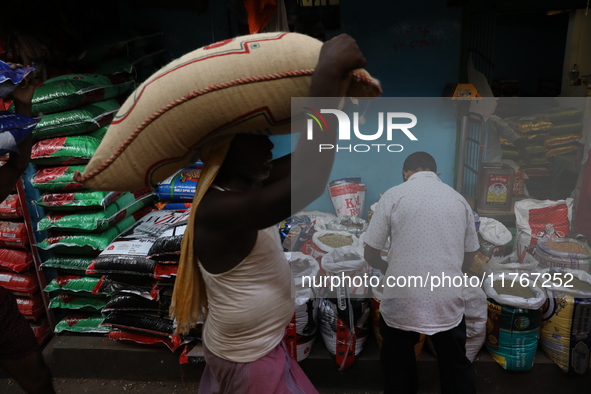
(232,263)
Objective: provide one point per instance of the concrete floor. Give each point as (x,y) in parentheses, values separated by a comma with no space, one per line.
(104,386)
(81,364)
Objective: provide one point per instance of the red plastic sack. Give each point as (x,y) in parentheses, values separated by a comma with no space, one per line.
(173,342)
(31,308)
(15,260)
(13,235)
(11,208)
(541,219)
(21,284)
(42,330)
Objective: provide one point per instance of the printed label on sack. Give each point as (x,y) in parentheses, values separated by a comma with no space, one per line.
(549,222)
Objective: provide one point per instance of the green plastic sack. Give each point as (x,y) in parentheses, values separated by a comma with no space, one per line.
(74,284)
(57,178)
(64,151)
(73,265)
(68,301)
(82,322)
(70,91)
(123,207)
(90,244)
(77,121)
(79,201)
(100,133)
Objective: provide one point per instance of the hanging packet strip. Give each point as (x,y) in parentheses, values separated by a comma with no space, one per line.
(10,78)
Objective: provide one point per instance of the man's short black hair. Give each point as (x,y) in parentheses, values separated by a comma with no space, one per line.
(419,160)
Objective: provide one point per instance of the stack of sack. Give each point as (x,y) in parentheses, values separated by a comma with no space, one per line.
(122,50)
(17,268)
(139,268)
(546,135)
(78,223)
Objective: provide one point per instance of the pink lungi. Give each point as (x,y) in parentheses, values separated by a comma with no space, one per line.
(275,373)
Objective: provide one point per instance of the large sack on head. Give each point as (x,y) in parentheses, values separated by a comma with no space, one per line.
(241,85)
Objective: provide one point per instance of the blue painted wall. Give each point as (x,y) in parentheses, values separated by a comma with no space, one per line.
(412,48)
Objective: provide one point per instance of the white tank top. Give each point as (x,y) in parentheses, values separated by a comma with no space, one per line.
(251,304)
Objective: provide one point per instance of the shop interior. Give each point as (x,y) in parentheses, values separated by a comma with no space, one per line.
(530,64)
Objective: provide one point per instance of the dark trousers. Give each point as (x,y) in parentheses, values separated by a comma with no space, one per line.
(399,364)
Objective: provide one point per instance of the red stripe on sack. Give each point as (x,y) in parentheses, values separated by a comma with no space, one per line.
(244,51)
(368,80)
(243,81)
